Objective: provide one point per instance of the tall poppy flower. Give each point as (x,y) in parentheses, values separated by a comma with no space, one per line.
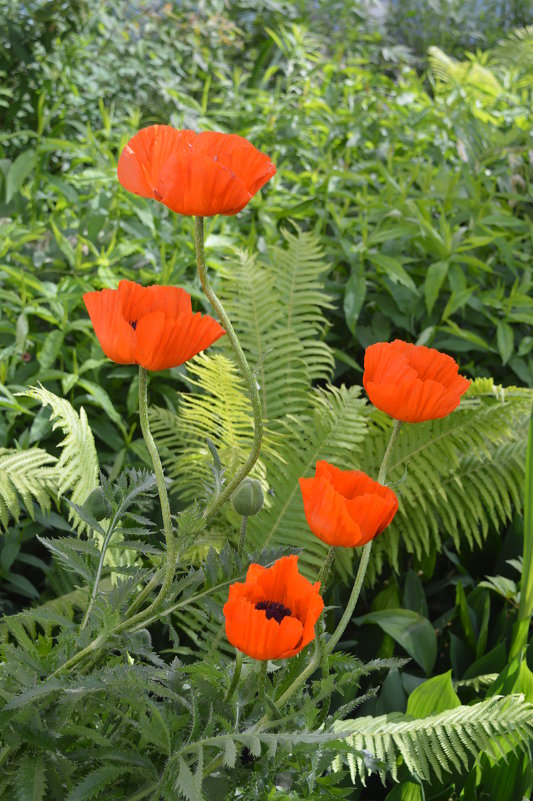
(151,326)
(346,507)
(411,382)
(273,614)
(193,174)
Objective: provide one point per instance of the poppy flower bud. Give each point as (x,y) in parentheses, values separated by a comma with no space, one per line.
(98,505)
(248,499)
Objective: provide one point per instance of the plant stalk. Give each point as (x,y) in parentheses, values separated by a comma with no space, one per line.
(365,556)
(242,535)
(236,675)
(326,567)
(247,373)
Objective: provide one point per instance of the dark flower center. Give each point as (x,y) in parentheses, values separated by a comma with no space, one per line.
(133,324)
(274,610)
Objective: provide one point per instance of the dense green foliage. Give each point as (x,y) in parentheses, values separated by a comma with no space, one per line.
(401,208)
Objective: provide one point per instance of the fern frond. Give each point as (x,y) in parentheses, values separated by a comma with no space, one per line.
(25,477)
(334,430)
(77,467)
(448,741)
(218,408)
(466,74)
(516,50)
(456,475)
(276,305)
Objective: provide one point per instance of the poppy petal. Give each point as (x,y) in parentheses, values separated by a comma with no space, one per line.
(326,513)
(412,383)
(239,156)
(115,335)
(163,343)
(263,637)
(249,630)
(200,186)
(372,513)
(145,155)
(137,300)
(413,402)
(193,174)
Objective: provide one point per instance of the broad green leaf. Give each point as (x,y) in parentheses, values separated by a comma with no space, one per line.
(433,696)
(19,171)
(354,295)
(393,269)
(410,630)
(504,340)
(434,279)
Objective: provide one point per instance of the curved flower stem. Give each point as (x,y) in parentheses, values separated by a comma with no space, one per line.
(245,369)
(236,675)
(145,614)
(365,556)
(261,680)
(301,678)
(161,486)
(242,535)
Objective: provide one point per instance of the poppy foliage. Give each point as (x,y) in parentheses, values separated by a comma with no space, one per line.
(346,507)
(411,382)
(273,614)
(152,326)
(193,174)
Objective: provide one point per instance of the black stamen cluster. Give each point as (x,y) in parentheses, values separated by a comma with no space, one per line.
(274,610)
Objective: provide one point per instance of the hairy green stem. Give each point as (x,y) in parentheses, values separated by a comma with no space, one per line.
(248,375)
(242,535)
(326,567)
(236,675)
(261,679)
(365,556)
(141,617)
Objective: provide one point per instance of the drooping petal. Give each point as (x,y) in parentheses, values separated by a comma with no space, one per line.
(164,343)
(412,383)
(414,401)
(326,513)
(346,482)
(193,174)
(195,184)
(373,513)
(137,300)
(146,154)
(239,156)
(115,335)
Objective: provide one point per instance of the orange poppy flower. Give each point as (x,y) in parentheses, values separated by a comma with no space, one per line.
(152,326)
(346,507)
(193,174)
(411,382)
(273,614)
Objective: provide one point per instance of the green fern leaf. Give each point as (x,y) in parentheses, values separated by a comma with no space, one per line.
(218,409)
(448,741)
(333,430)
(25,477)
(77,467)
(276,306)
(458,475)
